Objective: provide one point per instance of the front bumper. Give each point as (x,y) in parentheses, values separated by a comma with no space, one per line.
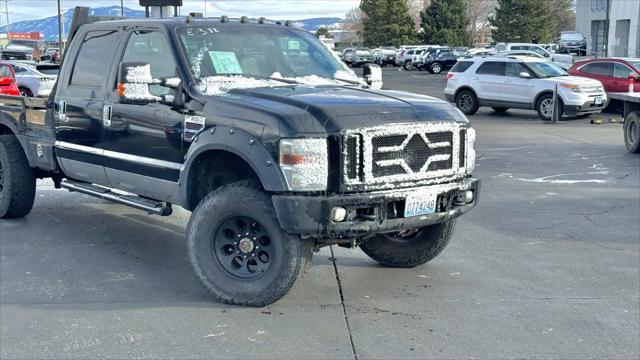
(585,104)
(370,212)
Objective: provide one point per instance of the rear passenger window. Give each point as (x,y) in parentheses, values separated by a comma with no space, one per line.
(599,68)
(492,68)
(461,66)
(94,58)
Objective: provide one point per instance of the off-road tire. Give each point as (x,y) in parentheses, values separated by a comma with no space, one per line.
(242,199)
(500,109)
(435,68)
(18,189)
(468,106)
(632,132)
(415,249)
(540,104)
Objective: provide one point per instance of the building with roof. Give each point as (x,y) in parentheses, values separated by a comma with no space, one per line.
(611,27)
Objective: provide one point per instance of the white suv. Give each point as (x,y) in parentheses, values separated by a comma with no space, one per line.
(523,83)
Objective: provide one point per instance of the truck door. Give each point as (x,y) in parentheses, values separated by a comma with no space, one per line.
(143,142)
(79,104)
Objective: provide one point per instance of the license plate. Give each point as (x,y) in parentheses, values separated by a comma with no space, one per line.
(420,203)
(598,101)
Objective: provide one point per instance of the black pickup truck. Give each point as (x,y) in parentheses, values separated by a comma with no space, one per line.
(271,142)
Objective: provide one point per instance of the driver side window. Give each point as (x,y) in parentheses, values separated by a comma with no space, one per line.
(151,47)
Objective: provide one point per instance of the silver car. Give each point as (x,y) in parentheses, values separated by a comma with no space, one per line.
(34,80)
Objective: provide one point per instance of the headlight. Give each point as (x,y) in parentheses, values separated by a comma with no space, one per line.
(304,164)
(471,151)
(572,87)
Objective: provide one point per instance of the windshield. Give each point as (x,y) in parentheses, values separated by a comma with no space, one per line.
(21,43)
(571,36)
(546,69)
(221,58)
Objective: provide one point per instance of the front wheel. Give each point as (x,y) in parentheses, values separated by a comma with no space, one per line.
(632,132)
(544,107)
(408,65)
(17,180)
(237,249)
(409,248)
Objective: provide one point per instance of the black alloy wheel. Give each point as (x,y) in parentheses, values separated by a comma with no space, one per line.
(242,247)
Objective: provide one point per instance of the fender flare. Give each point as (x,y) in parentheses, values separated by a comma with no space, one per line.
(237,142)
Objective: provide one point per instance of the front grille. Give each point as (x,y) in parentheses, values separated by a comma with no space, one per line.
(401,153)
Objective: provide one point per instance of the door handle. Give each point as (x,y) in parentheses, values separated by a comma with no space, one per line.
(61,114)
(106,116)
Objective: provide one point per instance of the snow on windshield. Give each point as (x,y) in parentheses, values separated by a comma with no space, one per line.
(218,85)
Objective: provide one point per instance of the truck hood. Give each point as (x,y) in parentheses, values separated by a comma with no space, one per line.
(577,80)
(325,110)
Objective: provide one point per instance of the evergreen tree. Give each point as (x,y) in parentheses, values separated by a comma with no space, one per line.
(523,21)
(324,32)
(445,22)
(387,23)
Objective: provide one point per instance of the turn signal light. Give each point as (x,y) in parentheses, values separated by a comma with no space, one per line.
(449,75)
(120,89)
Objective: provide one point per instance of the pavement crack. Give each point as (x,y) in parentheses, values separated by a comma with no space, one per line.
(344,308)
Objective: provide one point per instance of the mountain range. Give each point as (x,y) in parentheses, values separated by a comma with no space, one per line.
(48,27)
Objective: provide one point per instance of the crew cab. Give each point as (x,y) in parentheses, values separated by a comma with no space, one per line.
(272,143)
(524,83)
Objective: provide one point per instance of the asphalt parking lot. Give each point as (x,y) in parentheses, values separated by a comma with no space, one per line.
(546,266)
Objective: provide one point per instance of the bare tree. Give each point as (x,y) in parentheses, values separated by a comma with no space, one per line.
(353,22)
(479,12)
(415,8)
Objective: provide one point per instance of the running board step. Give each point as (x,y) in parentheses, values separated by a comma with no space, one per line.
(150,206)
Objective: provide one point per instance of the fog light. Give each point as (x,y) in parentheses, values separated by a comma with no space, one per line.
(468,196)
(338,214)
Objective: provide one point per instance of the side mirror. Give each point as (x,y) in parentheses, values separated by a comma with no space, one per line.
(633,76)
(524,75)
(134,79)
(373,75)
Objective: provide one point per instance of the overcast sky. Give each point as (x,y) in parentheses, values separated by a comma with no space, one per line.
(275,9)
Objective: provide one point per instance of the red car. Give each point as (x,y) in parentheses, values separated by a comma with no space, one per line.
(613,73)
(8,85)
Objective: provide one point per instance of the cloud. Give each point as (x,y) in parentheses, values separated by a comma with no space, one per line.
(276,9)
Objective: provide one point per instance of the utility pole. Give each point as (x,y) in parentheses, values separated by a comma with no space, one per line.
(122,8)
(606,29)
(6,11)
(60,27)
(205,8)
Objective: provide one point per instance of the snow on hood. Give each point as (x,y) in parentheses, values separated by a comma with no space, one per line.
(577,80)
(218,85)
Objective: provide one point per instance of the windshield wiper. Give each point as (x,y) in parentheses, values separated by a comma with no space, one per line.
(352,82)
(260,77)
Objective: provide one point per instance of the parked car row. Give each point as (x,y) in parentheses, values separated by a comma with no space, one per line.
(30,50)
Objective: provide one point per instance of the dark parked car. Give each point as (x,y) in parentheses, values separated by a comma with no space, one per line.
(572,41)
(436,60)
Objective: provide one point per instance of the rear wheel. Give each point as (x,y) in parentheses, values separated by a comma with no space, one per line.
(408,65)
(17,180)
(237,249)
(467,102)
(26,92)
(632,132)
(409,248)
(500,109)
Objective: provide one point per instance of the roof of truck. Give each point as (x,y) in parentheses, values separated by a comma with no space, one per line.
(194,21)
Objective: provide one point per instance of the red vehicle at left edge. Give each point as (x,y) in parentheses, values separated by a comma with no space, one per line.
(8,84)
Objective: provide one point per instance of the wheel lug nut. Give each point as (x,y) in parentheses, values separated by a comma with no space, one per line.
(257,247)
(254,238)
(235,243)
